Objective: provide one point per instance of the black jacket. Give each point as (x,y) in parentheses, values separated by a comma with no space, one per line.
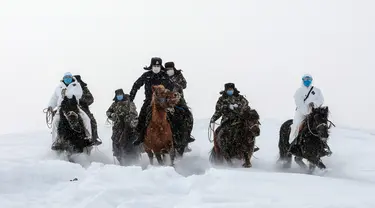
(150,79)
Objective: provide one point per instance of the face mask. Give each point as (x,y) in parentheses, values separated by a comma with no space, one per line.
(307,83)
(120,97)
(229,92)
(68,80)
(170,72)
(156,69)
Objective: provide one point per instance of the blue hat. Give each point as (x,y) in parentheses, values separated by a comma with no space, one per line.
(68,74)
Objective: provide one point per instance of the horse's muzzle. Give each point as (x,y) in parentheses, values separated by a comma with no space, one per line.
(72,115)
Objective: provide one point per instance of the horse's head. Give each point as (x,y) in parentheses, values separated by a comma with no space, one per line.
(70,110)
(319,121)
(251,116)
(164,98)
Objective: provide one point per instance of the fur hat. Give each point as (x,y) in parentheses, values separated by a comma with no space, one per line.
(155,61)
(78,78)
(121,92)
(169,65)
(228,86)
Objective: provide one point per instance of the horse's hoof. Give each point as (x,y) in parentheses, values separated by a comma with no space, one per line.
(247,165)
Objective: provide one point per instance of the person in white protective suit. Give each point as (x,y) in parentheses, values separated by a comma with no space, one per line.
(68,86)
(306,97)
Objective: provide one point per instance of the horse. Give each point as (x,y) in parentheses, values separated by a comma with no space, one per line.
(236,139)
(71,129)
(122,142)
(159,137)
(310,143)
(182,124)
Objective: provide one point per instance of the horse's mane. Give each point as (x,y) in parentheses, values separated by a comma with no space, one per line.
(323,111)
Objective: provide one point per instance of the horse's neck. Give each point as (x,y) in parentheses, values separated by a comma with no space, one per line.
(158,114)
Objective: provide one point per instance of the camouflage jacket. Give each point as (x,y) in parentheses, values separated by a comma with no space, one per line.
(87,99)
(123,111)
(223,107)
(179,82)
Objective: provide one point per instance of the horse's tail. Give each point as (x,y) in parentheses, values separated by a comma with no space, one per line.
(284,139)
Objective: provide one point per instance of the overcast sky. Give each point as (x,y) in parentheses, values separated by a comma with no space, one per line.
(263,46)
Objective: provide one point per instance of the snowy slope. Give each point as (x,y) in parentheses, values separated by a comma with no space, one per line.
(31,176)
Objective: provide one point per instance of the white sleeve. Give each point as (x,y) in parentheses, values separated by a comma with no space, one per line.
(319,98)
(53,100)
(77,91)
(301,106)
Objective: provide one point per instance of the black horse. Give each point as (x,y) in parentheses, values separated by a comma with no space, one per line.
(182,122)
(123,136)
(71,129)
(236,138)
(311,143)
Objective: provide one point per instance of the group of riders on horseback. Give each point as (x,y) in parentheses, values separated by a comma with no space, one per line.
(238,121)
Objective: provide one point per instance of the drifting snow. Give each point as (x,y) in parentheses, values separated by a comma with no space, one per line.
(32,176)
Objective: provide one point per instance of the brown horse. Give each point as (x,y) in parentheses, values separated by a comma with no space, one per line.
(159,137)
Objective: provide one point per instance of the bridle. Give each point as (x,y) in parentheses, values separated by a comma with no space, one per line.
(321,124)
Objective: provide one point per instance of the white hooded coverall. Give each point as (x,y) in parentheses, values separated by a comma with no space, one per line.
(303,108)
(75,89)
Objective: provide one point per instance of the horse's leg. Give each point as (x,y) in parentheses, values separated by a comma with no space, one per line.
(158,157)
(300,162)
(312,167)
(150,156)
(247,163)
(172,154)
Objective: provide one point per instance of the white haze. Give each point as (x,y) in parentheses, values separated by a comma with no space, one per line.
(262,46)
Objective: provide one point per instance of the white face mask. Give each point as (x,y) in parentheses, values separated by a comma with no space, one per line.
(170,72)
(156,69)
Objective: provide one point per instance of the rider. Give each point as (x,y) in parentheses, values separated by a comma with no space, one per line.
(179,83)
(86,100)
(122,109)
(305,98)
(228,106)
(155,75)
(68,86)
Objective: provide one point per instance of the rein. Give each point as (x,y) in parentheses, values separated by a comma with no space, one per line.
(49,117)
(322,124)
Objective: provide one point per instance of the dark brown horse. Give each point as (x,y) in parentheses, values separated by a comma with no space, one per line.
(159,137)
(236,138)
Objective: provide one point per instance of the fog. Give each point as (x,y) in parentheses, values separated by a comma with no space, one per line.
(264,47)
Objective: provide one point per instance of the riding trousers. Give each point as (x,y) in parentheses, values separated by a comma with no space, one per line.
(294,129)
(94,125)
(56,120)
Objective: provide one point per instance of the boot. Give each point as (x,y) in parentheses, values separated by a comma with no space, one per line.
(140,138)
(58,145)
(256,149)
(96,141)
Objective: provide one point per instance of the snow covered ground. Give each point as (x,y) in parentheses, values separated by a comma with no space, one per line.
(31,176)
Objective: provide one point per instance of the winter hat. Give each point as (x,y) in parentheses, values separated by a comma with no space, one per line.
(78,78)
(169,65)
(229,85)
(118,92)
(68,74)
(155,61)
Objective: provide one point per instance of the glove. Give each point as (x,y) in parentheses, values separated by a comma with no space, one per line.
(63,92)
(134,123)
(233,106)
(113,115)
(212,121)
